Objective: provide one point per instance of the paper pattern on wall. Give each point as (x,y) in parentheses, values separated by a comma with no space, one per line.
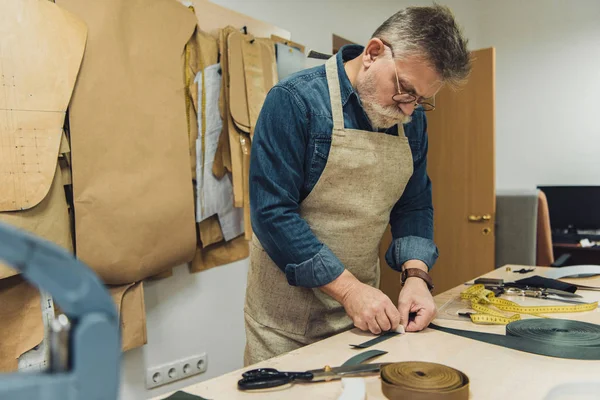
(132,183)
(49,219)
(41,47)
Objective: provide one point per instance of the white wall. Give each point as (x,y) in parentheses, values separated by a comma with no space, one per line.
(188,314)
(547,85)
(312,22)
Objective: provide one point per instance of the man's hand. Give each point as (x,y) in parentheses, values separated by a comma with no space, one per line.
(369,308)
(415,297)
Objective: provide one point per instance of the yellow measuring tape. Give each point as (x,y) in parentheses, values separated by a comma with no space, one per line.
(482,299)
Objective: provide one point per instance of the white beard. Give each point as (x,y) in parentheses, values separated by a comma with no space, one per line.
(381,117)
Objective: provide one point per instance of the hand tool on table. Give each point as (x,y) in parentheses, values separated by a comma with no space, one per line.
(522,270)
(499,287)
(263,378)
(85,343)
(545,294)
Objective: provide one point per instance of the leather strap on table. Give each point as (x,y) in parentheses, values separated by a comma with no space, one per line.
(362,357)
(417,380)
(378,339)
(559,338)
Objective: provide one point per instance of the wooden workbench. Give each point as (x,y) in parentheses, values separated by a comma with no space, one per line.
(495,372)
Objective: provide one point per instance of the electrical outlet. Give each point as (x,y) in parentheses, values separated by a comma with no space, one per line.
(176,370)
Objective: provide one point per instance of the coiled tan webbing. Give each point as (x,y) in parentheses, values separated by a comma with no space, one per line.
(417,380)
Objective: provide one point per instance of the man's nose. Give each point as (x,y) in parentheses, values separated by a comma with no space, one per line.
(408,108)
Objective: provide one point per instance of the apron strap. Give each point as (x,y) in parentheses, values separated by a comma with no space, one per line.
(335,96)
(401,131)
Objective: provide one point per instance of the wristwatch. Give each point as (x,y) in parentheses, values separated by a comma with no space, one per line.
(417,273)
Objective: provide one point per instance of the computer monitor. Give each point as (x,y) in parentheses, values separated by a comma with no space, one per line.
(574,207)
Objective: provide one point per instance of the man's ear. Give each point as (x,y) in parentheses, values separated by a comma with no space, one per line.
(373,50)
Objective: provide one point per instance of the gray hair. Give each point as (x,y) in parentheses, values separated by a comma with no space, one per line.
(431,33)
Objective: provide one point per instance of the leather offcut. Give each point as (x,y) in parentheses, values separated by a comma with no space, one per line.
(378,339)
(362,357)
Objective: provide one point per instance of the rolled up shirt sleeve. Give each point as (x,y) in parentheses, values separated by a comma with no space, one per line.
(411,218)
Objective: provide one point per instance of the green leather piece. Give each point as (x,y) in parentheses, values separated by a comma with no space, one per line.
(184,396)
(362,357)
(378,339)
(559,338)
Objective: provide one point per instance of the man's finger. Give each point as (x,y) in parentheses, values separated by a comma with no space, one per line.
(360,324)
(420,322)
(394,316)
(374,326)
(383,321)
(404,310)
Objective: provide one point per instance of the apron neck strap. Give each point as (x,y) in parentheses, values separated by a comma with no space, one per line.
(335,96)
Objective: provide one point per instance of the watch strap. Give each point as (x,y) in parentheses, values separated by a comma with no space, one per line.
(417,273)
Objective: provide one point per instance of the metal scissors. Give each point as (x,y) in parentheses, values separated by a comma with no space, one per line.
(543,293)
(263,378)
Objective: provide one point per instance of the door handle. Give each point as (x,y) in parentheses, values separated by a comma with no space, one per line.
(480,218)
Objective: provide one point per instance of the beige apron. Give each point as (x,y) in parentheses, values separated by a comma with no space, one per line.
(348,210)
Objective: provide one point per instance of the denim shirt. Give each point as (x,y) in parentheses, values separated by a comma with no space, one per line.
(290,147)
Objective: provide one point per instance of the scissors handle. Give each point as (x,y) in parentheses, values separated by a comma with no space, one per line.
(269,378)
(262,383)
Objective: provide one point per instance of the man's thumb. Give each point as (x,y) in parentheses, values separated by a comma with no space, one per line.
(404,309)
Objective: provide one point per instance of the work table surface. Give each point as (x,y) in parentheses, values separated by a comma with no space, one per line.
(494,372)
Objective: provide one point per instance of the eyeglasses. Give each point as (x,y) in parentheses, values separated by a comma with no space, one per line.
(404,96)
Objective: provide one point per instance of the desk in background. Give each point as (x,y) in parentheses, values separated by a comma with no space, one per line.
(579,255)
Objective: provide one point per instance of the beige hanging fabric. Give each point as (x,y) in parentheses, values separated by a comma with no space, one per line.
(64,160)
(21,315)
(232,74)
(252,73)
(129,300)
(32,113)
(201,50)
(223,148)
(132,182)
(220,254)
(213,250)
(238,105)
(260,71)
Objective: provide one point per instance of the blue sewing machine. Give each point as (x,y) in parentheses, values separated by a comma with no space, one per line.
(85,343)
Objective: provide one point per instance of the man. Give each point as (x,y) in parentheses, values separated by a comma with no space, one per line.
(338,152)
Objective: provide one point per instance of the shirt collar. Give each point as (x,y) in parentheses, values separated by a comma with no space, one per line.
(347,53)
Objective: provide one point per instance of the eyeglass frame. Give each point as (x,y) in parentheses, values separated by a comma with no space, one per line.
(414,100)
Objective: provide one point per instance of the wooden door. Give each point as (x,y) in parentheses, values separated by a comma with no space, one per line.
(461,165)
(338,42)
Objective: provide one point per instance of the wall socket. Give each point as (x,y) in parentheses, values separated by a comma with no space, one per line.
(176,370)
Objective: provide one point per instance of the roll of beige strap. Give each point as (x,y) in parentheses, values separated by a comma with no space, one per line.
(423,381)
